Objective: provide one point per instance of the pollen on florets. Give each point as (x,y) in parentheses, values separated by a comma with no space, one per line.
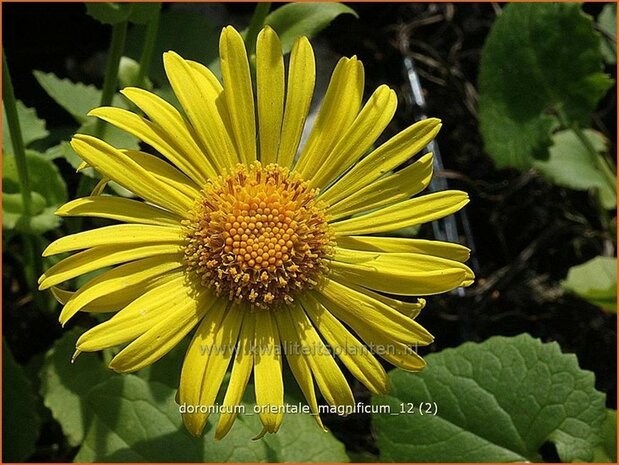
(258,235)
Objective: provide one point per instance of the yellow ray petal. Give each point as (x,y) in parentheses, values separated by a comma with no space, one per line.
(449,250)
(199,100)
(117,208)
(99,187)
(213,83)
(117,279)
(176,128)
(297,363)
(384,159)
(301,80)
(362,133)
(137,234)
(270,88)
(404,214)
(241,371)
(400,355)
(120,168)
(388,190)
(400,261)
(409,309)
(328,376)
(357,358)
(100,257)
(183,313)
(357,309)
(402,274)
(165,173)
(238,91)
(136,318)
(269,385)
(118,300)
(337,112)
(207,361)
(201,348)
(205,77)
(151,134)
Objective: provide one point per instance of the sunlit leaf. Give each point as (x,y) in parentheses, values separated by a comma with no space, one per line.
(498,401)
(304,19)
(571,165)
(132,419)
(75,97)
(607,451)
(595,281)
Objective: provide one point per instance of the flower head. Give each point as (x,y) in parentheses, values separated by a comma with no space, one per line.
(263,248)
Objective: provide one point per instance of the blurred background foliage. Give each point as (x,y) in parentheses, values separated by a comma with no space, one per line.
(525,361)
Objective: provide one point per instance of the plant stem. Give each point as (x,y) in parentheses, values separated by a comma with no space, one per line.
(256,23)
(117,46)
(19,152)
(149,46)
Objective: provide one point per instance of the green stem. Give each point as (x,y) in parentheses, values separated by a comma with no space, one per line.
(117,46)
(19,152)
(149,46)
(255,25)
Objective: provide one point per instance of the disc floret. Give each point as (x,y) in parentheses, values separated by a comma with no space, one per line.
(258,235)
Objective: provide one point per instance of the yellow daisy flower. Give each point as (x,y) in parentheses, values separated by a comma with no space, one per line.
(265,247)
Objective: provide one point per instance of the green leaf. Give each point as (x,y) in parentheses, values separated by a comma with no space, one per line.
(510,142)
(113,13)
(32,127)
(607,22)
(128,72)
(304,19)
(607,451)
(13,204)
(497,401)
(301,440)
(132,419)
(48,192)
(109,12)
(595,281)
(44,177)
(539,58)
(77,98)
(570,165)
(64,385)
(20,420)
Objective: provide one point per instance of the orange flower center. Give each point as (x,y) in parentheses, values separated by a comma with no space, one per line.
(258,235)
